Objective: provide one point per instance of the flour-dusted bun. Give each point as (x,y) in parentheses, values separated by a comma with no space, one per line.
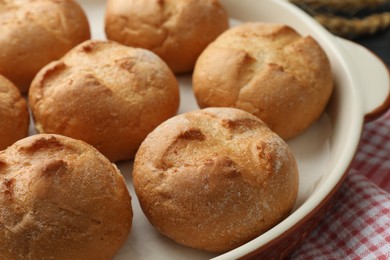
(14,117)
(176,30)
(214,179)
(268,70)
(106,94)
(35,32)
(61,199)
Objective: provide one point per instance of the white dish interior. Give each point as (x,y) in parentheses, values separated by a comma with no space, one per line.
(323,152)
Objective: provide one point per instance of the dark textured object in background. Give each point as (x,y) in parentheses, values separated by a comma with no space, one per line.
(347,19)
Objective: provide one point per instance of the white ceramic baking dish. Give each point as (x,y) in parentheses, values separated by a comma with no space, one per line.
(324,152)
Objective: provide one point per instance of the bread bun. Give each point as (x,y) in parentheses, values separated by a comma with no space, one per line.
(14,117)
(268,70)
(35,32)
(60,199)
(214,179)
(106,94)
(176,30)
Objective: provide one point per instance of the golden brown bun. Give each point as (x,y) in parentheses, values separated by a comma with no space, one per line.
(106,94)
(176,30)
(14,117)
(35,32)
(268,70)
(214,179)
(60,199)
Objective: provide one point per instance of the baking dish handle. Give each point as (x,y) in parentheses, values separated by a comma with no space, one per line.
(375,79)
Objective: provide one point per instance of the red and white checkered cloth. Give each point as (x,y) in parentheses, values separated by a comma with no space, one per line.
(373,157)
(358,226)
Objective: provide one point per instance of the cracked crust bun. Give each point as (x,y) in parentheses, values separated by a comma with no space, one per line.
(14,117)
(35,32)
(61,199)
(214,179)
(106,94)
(176,30)
(268,70)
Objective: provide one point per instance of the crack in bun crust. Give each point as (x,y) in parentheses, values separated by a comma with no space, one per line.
(106,94)
(176,30)
(215,178)
(268,70)
(61,199)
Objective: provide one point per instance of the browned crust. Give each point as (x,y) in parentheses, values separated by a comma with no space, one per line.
(268,70)
(14,117)
(61,199)
(214,179)
(35,32)
(106,94)
(176,30)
